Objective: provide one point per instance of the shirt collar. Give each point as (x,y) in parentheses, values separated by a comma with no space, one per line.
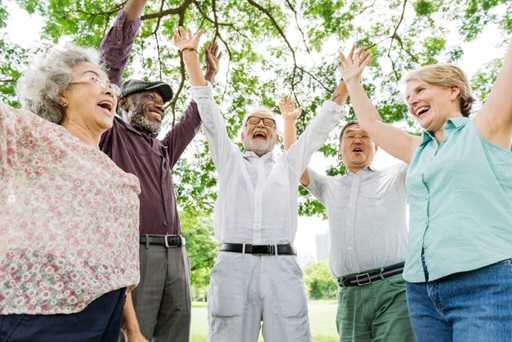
(366,169)
(451,123)
(251,154)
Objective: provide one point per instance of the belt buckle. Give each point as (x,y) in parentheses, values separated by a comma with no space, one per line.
(363,277)
(263,250)
(167,245)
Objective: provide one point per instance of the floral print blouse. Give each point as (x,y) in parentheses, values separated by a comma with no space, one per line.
(68,219)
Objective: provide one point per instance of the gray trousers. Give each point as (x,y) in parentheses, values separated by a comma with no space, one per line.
(162,298)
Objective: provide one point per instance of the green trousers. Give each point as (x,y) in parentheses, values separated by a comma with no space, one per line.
(374,312)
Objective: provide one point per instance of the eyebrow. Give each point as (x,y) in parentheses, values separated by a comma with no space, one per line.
(92,71)
(95,73)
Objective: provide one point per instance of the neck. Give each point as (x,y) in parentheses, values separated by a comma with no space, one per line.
(83,134)
(356,169)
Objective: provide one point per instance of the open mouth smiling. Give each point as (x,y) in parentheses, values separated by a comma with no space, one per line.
(259,135)
(422,110)
(106,105)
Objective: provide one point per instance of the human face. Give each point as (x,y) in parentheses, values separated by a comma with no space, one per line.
(146,109)
(356,148)
(432,105)
(88,103)
(259,137)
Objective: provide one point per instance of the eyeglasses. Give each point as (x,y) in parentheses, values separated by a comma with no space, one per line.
(254,120)
(99,82)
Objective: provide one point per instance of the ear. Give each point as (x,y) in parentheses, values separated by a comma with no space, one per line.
(62,100)
(454,92)
(277,137)
(242,135)
(125,103)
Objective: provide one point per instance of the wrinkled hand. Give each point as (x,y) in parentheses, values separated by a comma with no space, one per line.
(212,56)
(134,337)
(352,66)
(288,110)
(185,40)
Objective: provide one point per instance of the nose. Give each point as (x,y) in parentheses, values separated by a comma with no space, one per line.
(159,104)
(412,100)
(109,91)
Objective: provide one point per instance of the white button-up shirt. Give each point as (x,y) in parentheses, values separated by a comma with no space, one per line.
(257,199)
(367,217)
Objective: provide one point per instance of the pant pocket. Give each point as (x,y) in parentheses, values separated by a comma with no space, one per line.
(227,290)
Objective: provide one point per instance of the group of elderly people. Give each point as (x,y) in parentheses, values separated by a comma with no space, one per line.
(70,216)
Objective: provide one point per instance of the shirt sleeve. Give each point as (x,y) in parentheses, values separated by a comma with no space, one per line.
(221,146)
(20,133)
(180,136)
(314,136)
(116,46)
(316,185)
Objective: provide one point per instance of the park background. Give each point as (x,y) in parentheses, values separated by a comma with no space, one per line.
(271,49)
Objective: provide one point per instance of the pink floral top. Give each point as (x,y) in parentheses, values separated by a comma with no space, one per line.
(68,219)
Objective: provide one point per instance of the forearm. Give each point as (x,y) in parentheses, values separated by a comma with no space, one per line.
(290,133)
(315,135)
(133,10)
(214,126)
(193,66)
(130,326)
(364,109)
(340,94)
(115,47)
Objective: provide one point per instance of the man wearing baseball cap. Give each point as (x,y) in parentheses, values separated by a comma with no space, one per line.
(159,308)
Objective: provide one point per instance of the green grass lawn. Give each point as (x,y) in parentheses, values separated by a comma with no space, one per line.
(322,316)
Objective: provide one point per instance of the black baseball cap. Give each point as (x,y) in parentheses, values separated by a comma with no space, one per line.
(134,86)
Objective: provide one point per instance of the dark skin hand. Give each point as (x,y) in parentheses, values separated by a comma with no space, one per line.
(212,56)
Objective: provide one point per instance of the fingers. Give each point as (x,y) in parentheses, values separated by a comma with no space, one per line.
(351,53)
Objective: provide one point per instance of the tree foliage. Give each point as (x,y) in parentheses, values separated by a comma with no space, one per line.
(197,229)
(271,48)
(318,280)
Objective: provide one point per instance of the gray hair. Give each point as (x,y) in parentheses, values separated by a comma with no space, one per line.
(39,87)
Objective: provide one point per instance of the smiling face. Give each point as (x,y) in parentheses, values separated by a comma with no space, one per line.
(260,138)
(87,103)
(432,105)
(356,148)
(144,109)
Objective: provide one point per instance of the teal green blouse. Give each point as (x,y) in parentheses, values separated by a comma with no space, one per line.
(460,202)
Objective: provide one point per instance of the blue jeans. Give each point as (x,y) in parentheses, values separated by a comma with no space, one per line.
(467,306)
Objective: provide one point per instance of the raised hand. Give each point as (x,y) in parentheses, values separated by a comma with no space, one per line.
(288,110)
(212,56)
(185,40)
(352,66)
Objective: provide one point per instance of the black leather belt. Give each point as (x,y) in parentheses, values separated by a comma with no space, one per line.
(163,240)
(370,276)
(259,249)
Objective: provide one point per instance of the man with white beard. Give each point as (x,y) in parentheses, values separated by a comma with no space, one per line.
(256,282)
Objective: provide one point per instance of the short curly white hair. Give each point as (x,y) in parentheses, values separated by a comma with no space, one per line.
(39,86)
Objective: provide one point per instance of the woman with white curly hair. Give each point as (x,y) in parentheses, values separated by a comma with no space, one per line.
(69,227)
